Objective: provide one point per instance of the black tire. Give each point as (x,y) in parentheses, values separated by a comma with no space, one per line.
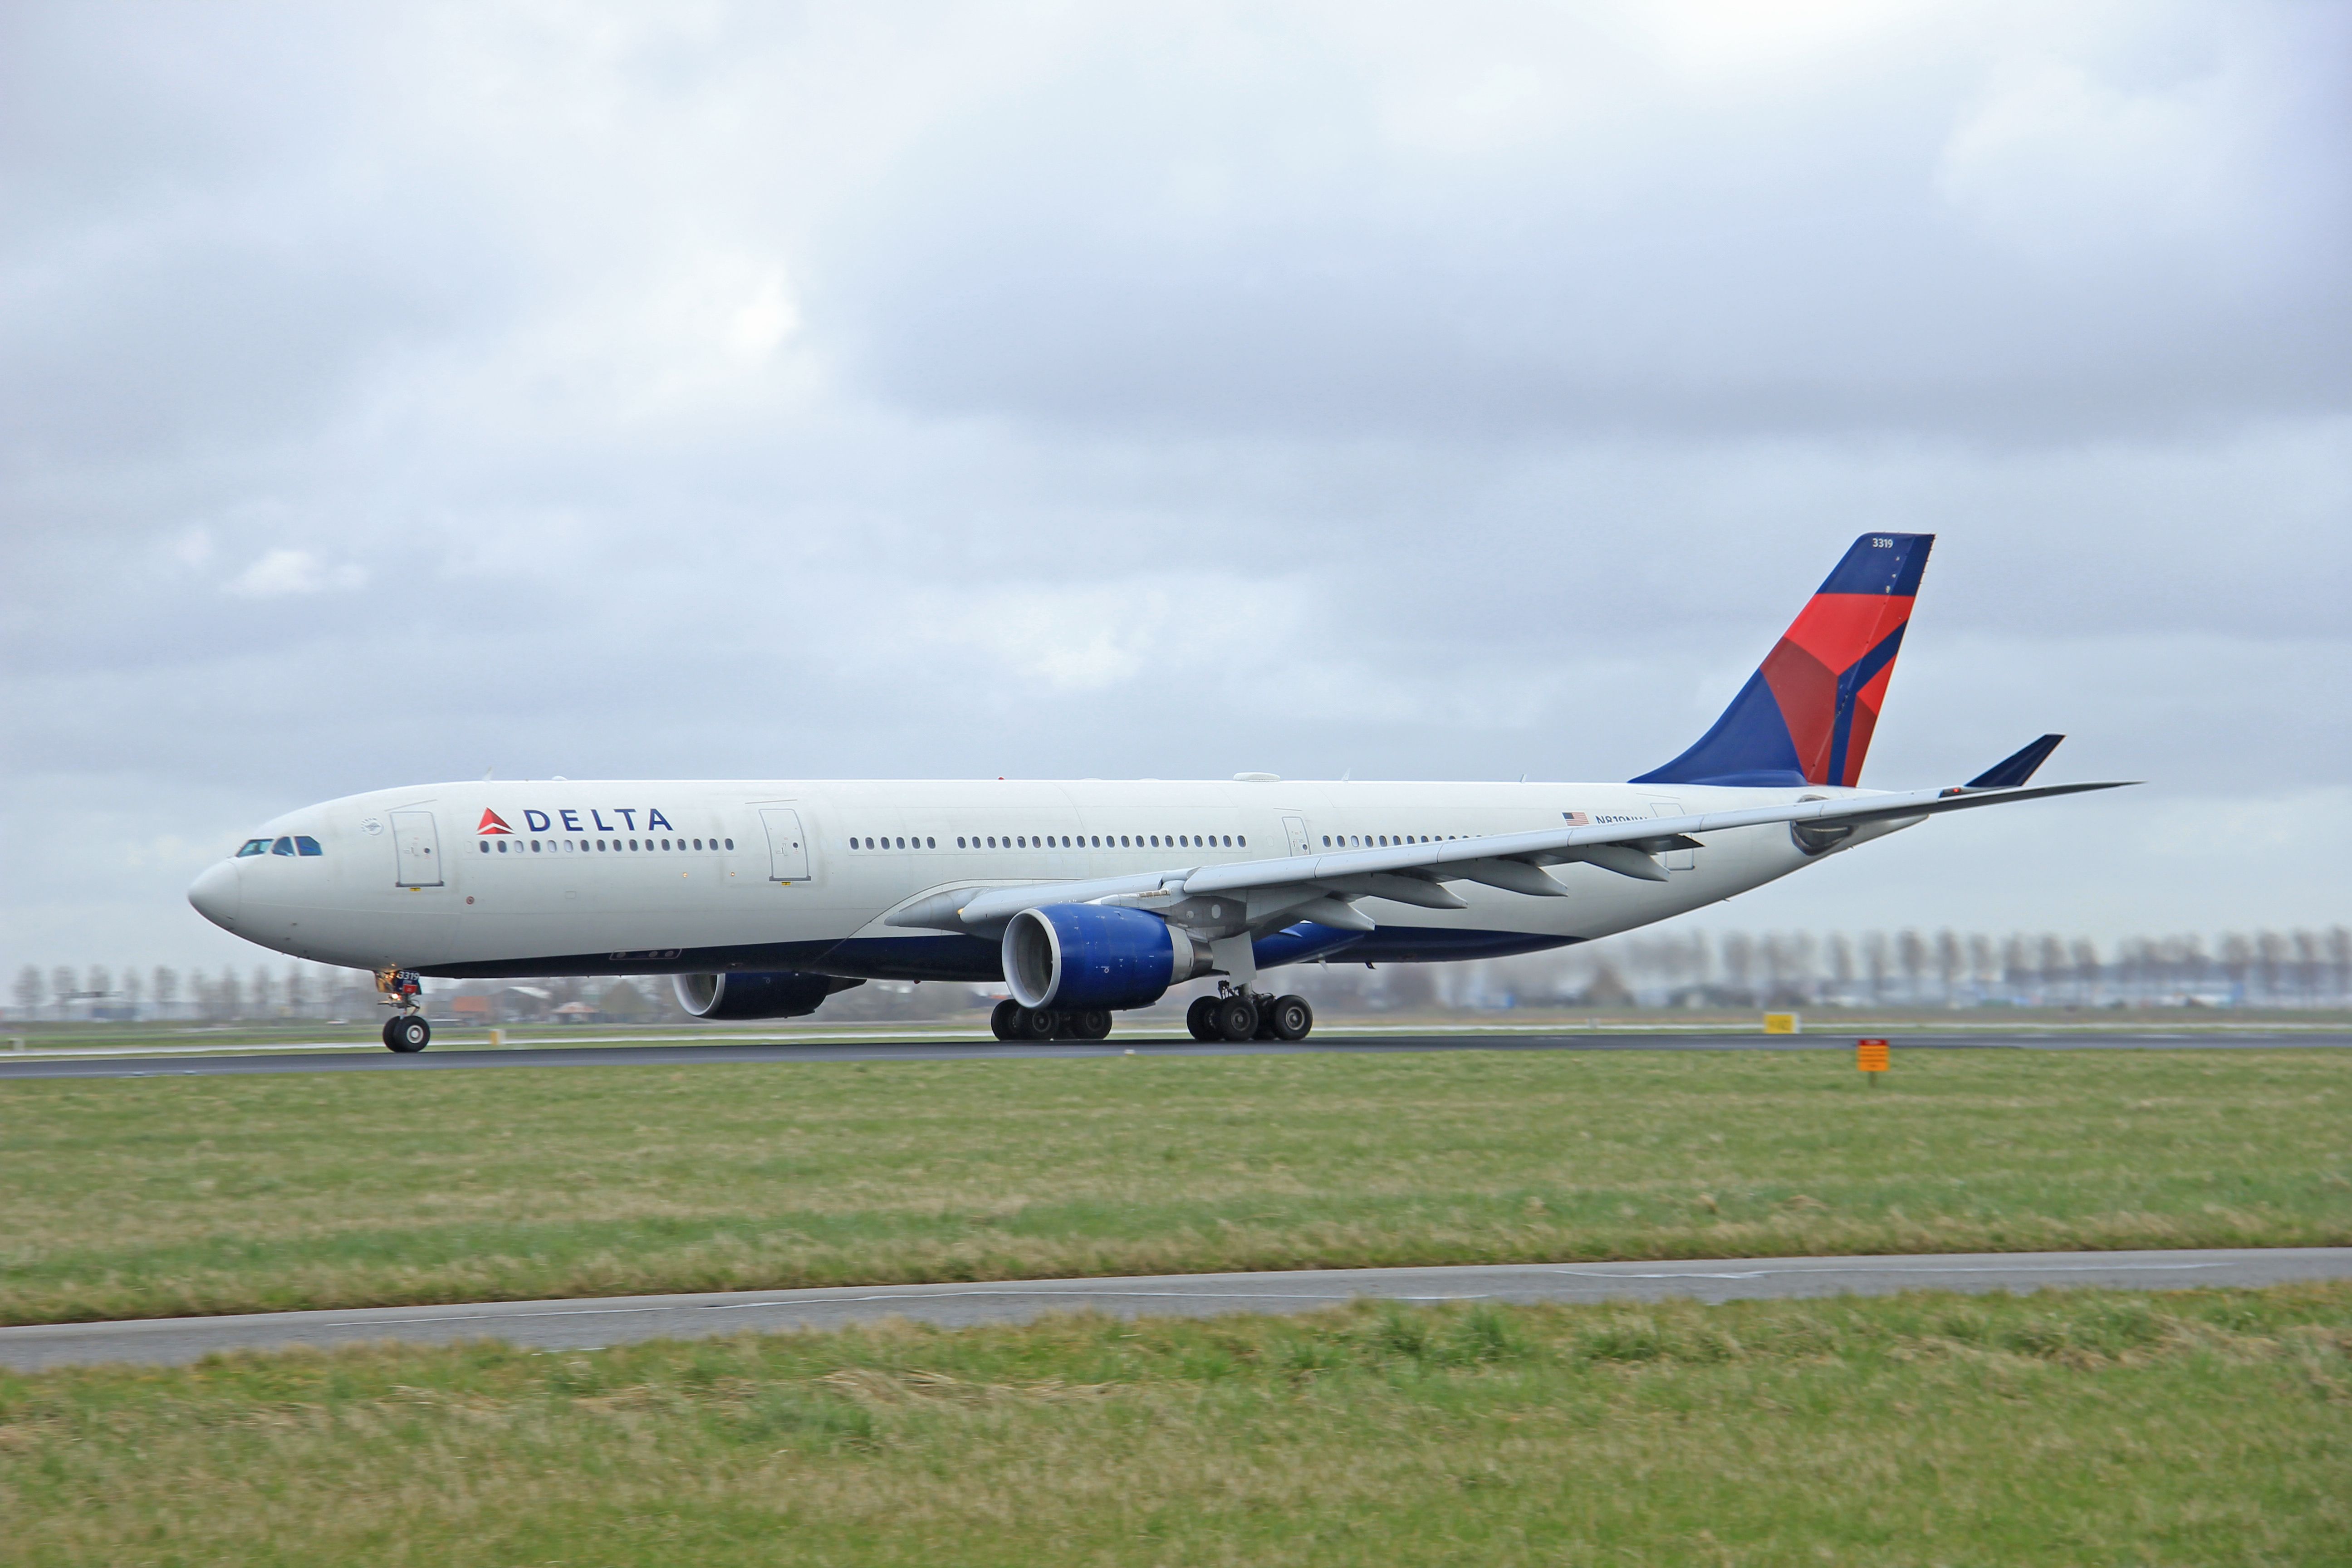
(1091,1024)
(408,1033)
(1039,1023)
(1236,1018)
(1292,1017)
(1200,1017)
(1004,1022)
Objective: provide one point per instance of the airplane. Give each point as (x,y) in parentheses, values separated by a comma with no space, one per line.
(1089,898)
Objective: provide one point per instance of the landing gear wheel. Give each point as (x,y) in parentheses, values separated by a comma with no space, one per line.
(1236,1018)
(1039,1023)
(407,1033)
(1292,1017)
(1091,1024)
(1004,1023)
(1200,1017)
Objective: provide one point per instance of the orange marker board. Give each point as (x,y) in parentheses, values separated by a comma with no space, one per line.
(1870,1056)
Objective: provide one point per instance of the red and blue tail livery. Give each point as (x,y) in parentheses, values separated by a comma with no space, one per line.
(1807,714)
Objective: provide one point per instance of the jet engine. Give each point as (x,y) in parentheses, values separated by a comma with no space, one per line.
(786,995)
(1068,956)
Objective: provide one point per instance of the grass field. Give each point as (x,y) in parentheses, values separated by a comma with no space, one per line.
(2204,1427)
(173,1196)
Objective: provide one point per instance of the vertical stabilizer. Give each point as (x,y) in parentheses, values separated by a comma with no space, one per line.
(1807,714)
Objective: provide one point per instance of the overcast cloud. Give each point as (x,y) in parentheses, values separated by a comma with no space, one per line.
(391,394)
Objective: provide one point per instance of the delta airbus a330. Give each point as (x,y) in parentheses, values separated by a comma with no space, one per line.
(1086,899)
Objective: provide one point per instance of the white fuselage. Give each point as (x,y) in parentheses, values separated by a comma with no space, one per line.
(640,876)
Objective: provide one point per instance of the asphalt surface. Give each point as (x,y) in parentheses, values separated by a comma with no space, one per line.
(590,1323)
(446,1058)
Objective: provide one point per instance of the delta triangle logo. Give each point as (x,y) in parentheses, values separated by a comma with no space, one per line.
(492,823)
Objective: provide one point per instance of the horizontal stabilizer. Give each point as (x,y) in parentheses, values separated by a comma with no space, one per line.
(2015,770)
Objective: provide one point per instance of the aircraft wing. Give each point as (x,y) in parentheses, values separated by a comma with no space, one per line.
(1415,873)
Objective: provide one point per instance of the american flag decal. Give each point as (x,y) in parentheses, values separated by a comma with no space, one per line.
(1577,819)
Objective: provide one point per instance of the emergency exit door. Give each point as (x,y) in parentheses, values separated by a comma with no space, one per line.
(788,859)
(418,844)
(1294,828)
(1674,859)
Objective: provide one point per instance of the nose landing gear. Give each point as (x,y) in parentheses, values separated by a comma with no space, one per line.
(405,1031)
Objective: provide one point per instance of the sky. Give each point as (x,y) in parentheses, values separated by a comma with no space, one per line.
(398,393)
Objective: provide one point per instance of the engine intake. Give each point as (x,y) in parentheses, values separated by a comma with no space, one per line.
(786,994)
(1096,955)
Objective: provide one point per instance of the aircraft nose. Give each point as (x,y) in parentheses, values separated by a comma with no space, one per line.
(217,894)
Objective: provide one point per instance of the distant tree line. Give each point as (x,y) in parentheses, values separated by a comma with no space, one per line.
(1914,968)
(1665,969)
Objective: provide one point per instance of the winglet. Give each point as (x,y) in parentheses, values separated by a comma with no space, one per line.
(2015,769)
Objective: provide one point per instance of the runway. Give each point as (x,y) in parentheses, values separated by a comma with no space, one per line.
(590,1323)
(131,1064)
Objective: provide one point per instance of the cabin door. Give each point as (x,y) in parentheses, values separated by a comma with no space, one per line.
(788,859)
(418,843)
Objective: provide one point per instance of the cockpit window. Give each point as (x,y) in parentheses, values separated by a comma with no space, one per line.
(306,845)
(254,847)
(283,846)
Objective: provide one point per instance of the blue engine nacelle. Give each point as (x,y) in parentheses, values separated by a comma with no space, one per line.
(788,994)
(1096,955)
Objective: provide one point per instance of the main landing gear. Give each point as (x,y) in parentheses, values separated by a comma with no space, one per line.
(1237,1016)
(1012,1021)
(405,1031)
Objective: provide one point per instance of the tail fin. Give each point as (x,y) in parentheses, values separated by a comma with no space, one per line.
(1807,713)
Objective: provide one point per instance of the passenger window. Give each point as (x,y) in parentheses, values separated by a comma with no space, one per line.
(534,845)
(485,846)
(502,846)
(931,844)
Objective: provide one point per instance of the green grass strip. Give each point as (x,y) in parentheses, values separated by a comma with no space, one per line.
(2078,1428)
(168,1195)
